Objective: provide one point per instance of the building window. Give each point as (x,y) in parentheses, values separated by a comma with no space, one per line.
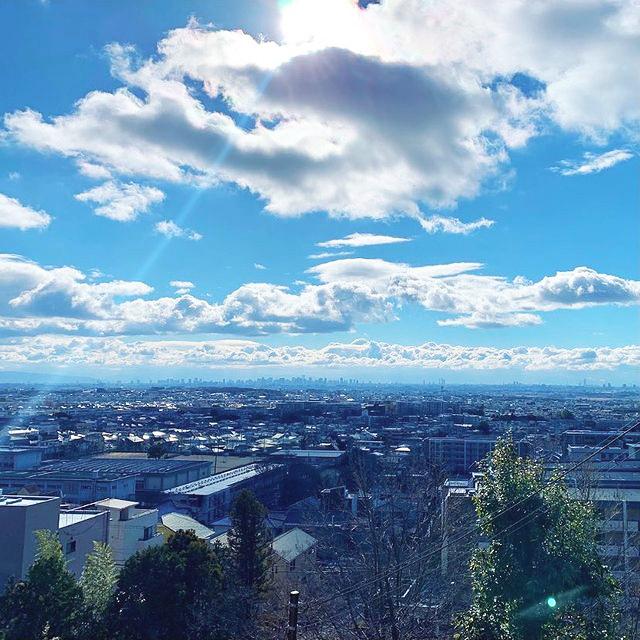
(70,547)
(148,533)
(292,565)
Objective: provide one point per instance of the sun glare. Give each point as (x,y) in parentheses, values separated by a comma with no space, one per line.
(320,23)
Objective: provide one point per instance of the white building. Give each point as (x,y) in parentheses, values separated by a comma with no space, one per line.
(130,529)
(22,516)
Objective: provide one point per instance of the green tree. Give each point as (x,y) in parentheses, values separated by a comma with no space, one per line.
(169,592)
(249,542)
(157,450)
(540,578)
(48,603)
(98,583)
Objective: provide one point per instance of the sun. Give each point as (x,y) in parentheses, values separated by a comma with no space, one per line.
(320,23)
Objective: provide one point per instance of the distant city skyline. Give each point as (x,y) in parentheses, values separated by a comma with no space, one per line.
(388,191)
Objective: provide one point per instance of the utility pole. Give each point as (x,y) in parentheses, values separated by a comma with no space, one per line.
(292,627)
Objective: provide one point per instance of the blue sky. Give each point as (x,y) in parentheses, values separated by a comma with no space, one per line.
(217,144)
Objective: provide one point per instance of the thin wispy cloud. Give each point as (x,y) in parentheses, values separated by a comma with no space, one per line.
(326,255)
(438,223)
(361,240)
(592,163)
(259,267)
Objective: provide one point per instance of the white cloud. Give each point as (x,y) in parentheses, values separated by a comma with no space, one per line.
(34,299)
(259,267)
(15,215)
(414,105)
(182,287)
(336,129)
(593,163)
(170,229)
(62,351)
(324,255)
(30,291)
(92,170)
(361,240)
(480,300)
(14,175)
(121,201)
(435,223)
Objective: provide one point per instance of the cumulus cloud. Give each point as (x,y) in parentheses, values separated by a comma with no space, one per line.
(182,286)
(415,105)
(401,107)
(361,240)
(30,291)
(241,354)
(170,229)
(15,215)
(480,301)
(592,163)
(34,299)
(121,201)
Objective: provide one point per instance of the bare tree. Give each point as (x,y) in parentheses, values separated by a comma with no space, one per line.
(379,579)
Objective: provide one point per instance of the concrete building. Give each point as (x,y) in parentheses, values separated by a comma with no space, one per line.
(73,486)
(19,458)
(152,477)
(211,498)
(314,457)
(78,531)
(22,516)
(461,455)
(130,529)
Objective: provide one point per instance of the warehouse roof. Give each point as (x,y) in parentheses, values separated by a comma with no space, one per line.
(222,481)
(123,465)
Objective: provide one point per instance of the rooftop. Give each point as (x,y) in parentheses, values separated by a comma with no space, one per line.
(222,481)
(308,453)
(180,522)
(123,465)
(22,501)
(72,517)
(292,544)
(115,503)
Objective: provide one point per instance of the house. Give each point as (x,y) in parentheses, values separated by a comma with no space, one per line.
(174,522)
(293,558)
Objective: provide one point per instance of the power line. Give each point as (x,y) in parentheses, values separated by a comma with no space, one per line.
(493,518)
(515,526)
